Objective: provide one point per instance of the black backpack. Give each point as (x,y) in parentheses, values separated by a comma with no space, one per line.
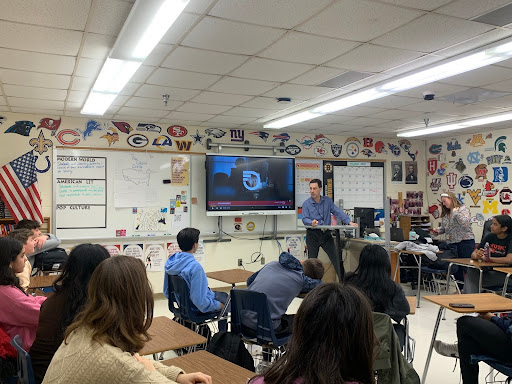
(230,347)
(51,260)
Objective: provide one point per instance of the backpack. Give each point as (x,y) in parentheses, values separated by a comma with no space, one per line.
(45,261)
(230,347)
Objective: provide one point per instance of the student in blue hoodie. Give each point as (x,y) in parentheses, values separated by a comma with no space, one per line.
(282,281)
(185,265)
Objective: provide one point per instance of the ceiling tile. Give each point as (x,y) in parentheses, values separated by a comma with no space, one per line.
(270,70)
(182,79)
(248,112)
(216,98)
(125,117)
(36,62)
(120,100)
(333,119)
(316,76)
(143,112)
(109,16)
(231,119)
(358,111)
(82,83)
(228,36)
(467,9)
(309,49)
(358,20)
(188,116)
(418,4)
(97,46)
(197,6)
(77,96)
(142,74)
(432,32)
(301,92)
(438,89)
(73,107)
(39,39)
(203,108)
(198,60)
(32,79)
(363,58)
(35,93)
(35,103)
(144,102)
(480,77)
(270,103)
(158,54)
(394,114)
(475,43)
(242,86)
(366,121)
(156,92)
(414,65)
(391,102)
(37,111)
(89,67)
(219,125)
(179,28)
(129,89)
(65,14)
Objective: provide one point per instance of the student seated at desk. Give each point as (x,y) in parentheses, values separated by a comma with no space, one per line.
(101,346)
(43,242)
(500,247)
(19,314)
(332,340)
(282,281)
(185,265)
(26,236)
(373,278)
(59,310)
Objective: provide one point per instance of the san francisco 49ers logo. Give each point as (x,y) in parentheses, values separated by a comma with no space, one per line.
(177,131)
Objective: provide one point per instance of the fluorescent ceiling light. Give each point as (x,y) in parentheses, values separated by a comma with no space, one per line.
(458,125)
(145,26)
(442,71)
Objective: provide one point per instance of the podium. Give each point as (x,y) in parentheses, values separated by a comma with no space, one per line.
(336,229)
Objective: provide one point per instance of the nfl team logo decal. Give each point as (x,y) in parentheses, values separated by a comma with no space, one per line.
(336,149)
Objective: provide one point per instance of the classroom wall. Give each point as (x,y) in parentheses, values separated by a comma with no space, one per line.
(105,134)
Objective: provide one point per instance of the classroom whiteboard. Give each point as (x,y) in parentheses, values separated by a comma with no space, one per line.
(104,194)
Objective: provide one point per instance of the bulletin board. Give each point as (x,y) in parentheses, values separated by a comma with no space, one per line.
(107,193)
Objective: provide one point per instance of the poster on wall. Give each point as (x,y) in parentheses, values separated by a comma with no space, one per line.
(134,250)
(179,171)
(396,172)
(154,257)
(199,255)
(113,249)
(294,246)
(411,169)
(150,219)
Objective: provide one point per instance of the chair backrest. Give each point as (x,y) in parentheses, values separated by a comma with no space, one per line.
(245,300)
(501,366)
(180,303)
(25,372)
(487,229)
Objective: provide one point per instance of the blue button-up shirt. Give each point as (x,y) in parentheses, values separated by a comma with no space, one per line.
(321,211)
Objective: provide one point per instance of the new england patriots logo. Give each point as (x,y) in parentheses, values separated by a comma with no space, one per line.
(284,137)
(215,132)
(21,127)
(261,134)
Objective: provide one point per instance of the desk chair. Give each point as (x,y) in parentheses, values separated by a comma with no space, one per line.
(245,300)
(185,311)
(25,372)
(500,366)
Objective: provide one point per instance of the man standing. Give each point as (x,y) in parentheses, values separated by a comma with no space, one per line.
(317,211)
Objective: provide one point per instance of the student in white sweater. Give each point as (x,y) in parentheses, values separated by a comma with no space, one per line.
(101,345)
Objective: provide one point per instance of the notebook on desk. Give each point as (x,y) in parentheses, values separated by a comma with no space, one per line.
(397,234)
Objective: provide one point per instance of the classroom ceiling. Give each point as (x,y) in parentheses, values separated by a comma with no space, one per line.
(224,62)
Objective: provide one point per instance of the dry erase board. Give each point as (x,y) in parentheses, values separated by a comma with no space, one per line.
(103,194)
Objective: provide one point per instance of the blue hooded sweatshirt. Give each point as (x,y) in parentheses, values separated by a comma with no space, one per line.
(185,265)
(281,281)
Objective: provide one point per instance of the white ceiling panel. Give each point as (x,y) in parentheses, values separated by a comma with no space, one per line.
(231,37)
(248,112)
(32,79)
(156,92)
(197,6)
(109,16)
(125,117)
(373,58)
(144,102)
(36,62)
(182,79)
(358,20)
(432,32)
(242,86)
(37,111)
(77,96)
(82,83)
(481,76)
(295,91)
(217,98)
(305,48)
(273,13)
(129,89)
(438,89)
(142,73)
(74,107)
(35,93)
(182,24)
(89,67)
(358,111)
(270,70)
(144,112)
(219,125)
(391,102)
(120,100)
(366,121)
(203,108)
(418,4)
(475,42)
(333,119)
(394,114)
(270,103)
(66,14)
(189,116)
(468,9)
(97,46)
(198,60)
(35,103)
(231,119)
(317,75)
(158,54)
(39,39)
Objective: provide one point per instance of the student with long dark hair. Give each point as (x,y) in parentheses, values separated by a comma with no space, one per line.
(58,312)
(373,278)
(332,340)
(19,312)
(101,346)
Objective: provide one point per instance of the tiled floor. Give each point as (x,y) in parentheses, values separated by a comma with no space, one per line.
(442,369)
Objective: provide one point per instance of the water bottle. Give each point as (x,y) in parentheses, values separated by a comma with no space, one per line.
(487,252)
(413,235)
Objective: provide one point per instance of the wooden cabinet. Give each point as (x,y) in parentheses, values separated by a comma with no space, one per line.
(7,225)
(414,222)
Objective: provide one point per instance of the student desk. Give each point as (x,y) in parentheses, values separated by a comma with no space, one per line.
(508,271)
(483,302)
(412,304)
(231,276)
(477,264)
(221,371)
(167,335)
(42,281)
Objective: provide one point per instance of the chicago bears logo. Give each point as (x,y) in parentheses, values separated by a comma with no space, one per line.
(292,149)
(179,131)
(62,137)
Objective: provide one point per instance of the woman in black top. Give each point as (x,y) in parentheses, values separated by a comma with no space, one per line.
(373,278)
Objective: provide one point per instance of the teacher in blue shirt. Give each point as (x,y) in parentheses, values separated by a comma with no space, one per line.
(317,211)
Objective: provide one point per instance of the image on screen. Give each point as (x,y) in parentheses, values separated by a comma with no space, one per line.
(253,184)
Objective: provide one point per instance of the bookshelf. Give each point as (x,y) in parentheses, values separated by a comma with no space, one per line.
(408,222)
(7,225)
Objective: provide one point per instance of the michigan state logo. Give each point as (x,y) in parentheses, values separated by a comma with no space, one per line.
(336,149)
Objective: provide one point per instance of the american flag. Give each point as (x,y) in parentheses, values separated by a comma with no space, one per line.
(19,189)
